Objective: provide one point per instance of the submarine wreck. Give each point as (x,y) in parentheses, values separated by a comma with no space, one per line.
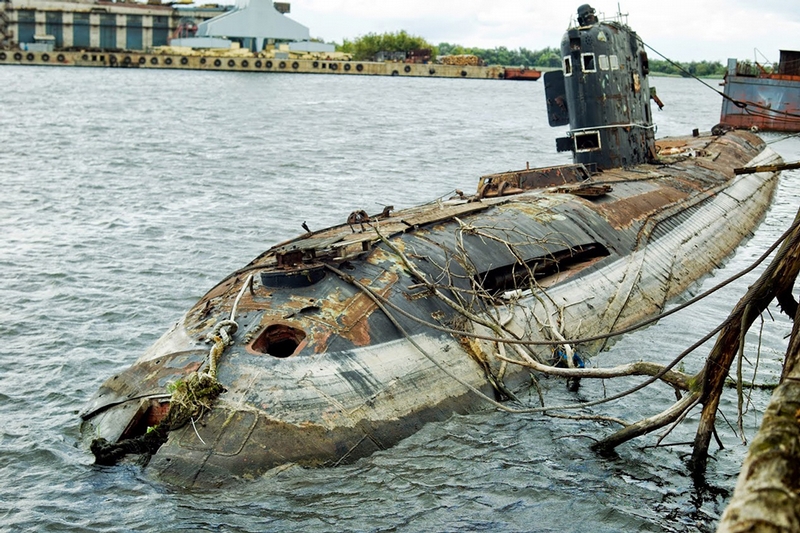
(343,341)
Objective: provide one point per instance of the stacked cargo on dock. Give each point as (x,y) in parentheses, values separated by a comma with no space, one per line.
(463,60)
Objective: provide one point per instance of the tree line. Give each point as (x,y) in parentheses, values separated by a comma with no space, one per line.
(366,47)
(701,69)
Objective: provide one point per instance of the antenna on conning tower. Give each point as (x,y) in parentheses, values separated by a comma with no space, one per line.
(618,17)
(621,17)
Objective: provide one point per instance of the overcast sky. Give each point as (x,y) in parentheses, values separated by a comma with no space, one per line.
(683,30)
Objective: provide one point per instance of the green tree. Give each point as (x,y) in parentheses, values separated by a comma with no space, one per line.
(549,57)
(365,47)
(702,69)
(501,55)
(346,47)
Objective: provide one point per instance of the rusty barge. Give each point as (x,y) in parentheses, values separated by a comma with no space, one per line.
(764,99)
(341,342)
(522,73)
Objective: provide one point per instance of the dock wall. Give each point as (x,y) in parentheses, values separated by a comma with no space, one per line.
(244,64)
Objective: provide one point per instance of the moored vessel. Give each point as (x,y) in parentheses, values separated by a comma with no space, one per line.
(522,73)
(763,98)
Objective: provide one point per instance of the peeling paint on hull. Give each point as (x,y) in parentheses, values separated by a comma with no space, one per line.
(318,374)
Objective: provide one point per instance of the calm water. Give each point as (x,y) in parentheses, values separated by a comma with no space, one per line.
(128,194)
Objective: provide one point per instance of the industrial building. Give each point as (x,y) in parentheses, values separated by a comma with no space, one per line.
(131,25)
(255,23)
(251,36)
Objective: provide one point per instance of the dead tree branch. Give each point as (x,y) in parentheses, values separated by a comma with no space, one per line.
(640,368)
(647,425)
(778,278)
(768,489)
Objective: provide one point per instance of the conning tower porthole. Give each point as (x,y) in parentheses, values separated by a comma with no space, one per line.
(278,340)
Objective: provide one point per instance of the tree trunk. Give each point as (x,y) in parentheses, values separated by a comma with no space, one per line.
(778,278)
(767,495)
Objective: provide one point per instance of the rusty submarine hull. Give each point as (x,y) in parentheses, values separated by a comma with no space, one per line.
(341,342)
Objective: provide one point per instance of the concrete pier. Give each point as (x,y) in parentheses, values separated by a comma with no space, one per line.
(245,64)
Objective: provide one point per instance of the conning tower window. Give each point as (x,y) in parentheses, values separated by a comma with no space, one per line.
(278,340)
(587,141)
(588,62)
(614,60)
(602,60)
(567,66)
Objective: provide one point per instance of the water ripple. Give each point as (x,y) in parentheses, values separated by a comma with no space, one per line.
(128,194)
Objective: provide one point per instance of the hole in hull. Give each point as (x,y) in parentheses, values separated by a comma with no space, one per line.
(278,340)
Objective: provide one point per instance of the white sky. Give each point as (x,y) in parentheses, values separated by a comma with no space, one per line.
(683,30)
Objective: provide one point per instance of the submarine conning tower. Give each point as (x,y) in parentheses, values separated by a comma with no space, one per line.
(603,94)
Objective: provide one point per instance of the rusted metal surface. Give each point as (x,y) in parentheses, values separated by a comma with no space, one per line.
(522,73)
(758,99)
(521,180)
(318,374)
(587,191)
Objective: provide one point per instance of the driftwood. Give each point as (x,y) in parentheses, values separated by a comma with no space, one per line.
(766,168)
(776,282)
(767,495)
(777,279)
